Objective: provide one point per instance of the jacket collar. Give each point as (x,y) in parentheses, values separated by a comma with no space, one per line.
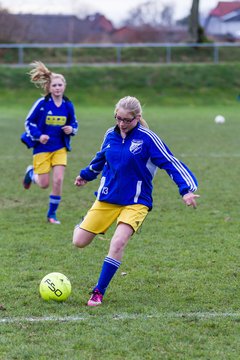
(117,129)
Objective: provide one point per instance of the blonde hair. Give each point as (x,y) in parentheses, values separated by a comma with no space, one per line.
(132,105)
(42,77)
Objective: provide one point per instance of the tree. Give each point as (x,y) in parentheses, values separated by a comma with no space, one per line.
(196,31)
(167,15)
(152,13)
(8,25)
(194,21)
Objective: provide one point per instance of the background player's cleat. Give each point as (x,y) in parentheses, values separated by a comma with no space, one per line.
(27,180)
(95,299)
(53,220)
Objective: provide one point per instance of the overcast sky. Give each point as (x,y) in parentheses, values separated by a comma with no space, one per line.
(114,10)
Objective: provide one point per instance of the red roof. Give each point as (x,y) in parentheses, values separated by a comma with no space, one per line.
(224,8)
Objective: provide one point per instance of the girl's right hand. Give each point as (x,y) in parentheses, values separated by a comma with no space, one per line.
(79,181)
(44,139)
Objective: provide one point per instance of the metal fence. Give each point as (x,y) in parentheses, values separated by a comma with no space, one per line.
(158,53)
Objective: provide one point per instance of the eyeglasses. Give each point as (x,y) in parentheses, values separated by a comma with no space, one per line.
(124,120)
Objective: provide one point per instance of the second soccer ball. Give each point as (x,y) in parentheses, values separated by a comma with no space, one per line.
(219,119)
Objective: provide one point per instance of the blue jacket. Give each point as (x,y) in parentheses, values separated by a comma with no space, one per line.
(46,118)
(128,167)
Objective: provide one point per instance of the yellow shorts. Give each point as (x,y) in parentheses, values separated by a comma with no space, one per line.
(102,215)
(43,162)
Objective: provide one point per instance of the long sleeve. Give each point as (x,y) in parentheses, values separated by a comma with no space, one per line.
(33,119)
(162,157)
(96,165)
(72,120)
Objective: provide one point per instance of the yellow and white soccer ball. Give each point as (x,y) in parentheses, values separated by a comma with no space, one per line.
(55,286)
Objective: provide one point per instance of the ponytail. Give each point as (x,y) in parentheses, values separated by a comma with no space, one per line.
(144,123)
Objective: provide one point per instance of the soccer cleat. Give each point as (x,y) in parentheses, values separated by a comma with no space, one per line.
(95,299)
(27,180)
(53,220)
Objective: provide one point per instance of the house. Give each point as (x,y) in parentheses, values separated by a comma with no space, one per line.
(146,33)
(224,20)
(45,28)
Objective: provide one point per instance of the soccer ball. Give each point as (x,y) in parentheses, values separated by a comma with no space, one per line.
(55,286)
(219,119)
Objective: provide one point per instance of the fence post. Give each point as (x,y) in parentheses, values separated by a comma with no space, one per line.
(215,54)
(168,54)
(69,56)
(20,55)
(118,55)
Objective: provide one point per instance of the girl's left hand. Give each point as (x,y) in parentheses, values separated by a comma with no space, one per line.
(67,129)
(190,199)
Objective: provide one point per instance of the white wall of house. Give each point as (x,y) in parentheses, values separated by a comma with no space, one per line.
(216,26)
(234,27)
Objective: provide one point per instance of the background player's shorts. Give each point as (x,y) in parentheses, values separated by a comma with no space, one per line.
(102,215)
(43,162)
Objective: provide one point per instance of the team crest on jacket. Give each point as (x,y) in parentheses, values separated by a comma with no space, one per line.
(136,146)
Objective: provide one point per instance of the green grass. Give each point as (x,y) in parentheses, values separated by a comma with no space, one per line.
(195,84)
(180,296)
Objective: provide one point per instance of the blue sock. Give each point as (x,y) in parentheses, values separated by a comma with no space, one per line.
(109,269)
(31,174)
(54,201)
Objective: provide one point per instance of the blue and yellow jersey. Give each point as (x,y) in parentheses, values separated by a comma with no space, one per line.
(128,167)
(46,118)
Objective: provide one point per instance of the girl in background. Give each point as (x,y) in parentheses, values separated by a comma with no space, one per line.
(49,124)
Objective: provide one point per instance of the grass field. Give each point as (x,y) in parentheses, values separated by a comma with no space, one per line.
(180,296)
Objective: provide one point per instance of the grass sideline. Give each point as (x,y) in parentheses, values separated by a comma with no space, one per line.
(167,85)
(180,296)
